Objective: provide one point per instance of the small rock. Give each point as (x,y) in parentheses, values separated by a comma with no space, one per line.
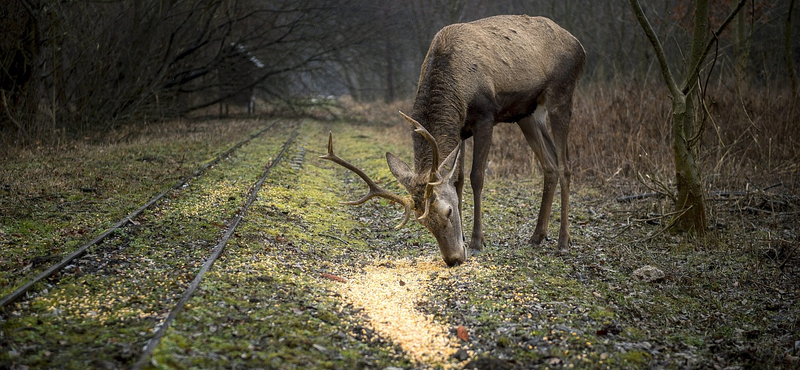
(104,364)
(393,368)
(648,274)
(461,355)
(490,364)
(554,361)
(567,329)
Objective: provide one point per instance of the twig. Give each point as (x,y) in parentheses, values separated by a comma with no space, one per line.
(626,228)
(772,186)
(729,193)
(662,188)
(10,117)
(55,195)
(69,203)
(335,237)
(783,264)
(757,210)
(630,198)
(647,220)
(668,225)
(769,287)
(603,268)
(722,193)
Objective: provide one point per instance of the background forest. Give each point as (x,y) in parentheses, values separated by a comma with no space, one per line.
(88,66)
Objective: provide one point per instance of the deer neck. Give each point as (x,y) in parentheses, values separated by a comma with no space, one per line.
(441,110)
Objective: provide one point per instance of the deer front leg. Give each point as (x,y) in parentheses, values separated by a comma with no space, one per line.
(459,183)
(560,116)
(482,143)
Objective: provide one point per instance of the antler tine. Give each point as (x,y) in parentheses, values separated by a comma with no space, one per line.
(427,135)
(433,179)
(427,208)
(374,189)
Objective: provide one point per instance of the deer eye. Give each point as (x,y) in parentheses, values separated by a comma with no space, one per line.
(449,211)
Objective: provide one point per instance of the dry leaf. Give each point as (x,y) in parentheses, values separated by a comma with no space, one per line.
(462,333)
(333,277)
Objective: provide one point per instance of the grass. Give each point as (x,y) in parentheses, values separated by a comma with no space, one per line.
(292,288)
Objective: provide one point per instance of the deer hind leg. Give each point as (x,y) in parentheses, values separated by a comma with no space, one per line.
(534,128)
(482,139)
(560,116)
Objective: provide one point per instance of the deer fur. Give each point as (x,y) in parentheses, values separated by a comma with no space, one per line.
(508,68)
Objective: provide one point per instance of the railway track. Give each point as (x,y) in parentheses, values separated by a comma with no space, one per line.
(124,287)
(17,293)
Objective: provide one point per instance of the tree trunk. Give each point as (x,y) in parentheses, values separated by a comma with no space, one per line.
(788,51)
(389,54)
(741,49)
(690,207)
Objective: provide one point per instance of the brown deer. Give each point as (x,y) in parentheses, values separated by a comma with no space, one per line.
(508,68)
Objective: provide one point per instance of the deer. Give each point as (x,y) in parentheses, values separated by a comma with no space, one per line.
(508,68)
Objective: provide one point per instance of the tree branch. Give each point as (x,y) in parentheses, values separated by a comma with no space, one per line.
(662,58)
(695,71)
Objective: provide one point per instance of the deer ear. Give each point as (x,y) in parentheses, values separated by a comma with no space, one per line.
(448,167)
(400,170)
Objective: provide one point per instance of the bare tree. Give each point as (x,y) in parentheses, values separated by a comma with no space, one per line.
(741,48)
(86,65)
(690,206)
(788,50)
(19,45)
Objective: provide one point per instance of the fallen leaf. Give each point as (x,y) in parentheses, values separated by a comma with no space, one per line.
(333,277)
(462,333)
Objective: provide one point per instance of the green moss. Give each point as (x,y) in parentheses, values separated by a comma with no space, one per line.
(601,314)
(635,358)
(503,342)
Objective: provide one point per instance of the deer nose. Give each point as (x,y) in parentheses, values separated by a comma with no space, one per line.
(455,259)
(453,262)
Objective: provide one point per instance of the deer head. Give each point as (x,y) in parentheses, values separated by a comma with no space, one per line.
(434,199)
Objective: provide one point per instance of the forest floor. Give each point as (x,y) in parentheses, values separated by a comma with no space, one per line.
(308,283)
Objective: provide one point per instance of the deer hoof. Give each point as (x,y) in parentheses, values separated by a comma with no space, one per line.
(537,239)
(563,244)
(476,245)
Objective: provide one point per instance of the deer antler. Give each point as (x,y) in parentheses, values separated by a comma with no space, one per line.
(433,179)
(374,189)
(427,135)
